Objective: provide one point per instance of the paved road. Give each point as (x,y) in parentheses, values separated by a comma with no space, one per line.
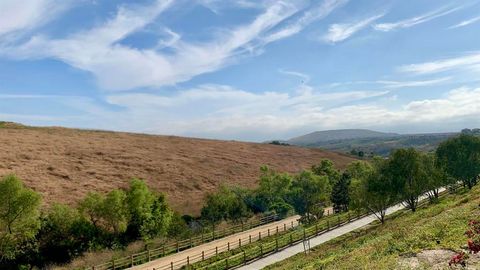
(315,241)
(195,254)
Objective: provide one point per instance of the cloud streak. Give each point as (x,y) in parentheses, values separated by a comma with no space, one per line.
(465,23)
(407,23)
(340,32)
(466,62)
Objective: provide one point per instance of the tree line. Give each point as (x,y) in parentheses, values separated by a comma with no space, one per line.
(34,236)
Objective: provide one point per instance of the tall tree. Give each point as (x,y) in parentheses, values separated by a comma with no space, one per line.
(149,213)
(327,168)
(375,192)
(405,169)
(273,188)
(340,196)
(308,195)
(19,217)
(460,157)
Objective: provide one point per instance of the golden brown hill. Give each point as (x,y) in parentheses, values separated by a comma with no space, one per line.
(64,164)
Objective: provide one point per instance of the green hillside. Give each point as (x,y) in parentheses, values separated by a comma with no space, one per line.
(364,142)
(394,245)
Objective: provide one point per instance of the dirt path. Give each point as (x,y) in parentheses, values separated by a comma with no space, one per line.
(194,254)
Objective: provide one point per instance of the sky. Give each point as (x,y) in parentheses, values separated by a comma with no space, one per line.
(249,70)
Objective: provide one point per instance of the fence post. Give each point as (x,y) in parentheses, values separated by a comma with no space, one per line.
(291,224)
(291,239)
(216,251)
(349,217)
(244,257)
(304,234)
(277,229)
(284,227)
(259,235)
(261,251)
(171,265)
(131,260)
(240,242)
(149,255)
(268,234)
(249,238)
(113,264)
(338,221)
(188,261)
(226,262)
(228,246)
(276,243)
(203,255)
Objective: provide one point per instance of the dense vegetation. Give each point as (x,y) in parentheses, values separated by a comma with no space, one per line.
(32,236)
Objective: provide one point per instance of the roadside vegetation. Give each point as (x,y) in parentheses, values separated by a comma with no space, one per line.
(32,236)
(438,226)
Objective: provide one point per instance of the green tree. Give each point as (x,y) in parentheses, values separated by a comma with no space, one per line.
(435,176)
(92,208)
(215,208)
(115,212)
(150,215)
(309,194)
(406,170)
(58,242)
(327,168)
(273,188)
(375,192)
(340,196)
(460,157)
(238,210)
(19,217)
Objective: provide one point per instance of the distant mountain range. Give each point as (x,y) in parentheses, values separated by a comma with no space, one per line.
(364,142)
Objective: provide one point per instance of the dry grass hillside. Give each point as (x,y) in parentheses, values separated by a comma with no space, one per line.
(65,164)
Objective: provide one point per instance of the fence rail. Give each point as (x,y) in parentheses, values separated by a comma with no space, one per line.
(175,247)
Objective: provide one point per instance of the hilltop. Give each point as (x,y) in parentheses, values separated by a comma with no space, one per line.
(368,141)
(64,164)
(318,137)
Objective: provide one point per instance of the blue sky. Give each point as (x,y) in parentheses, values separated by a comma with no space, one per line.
(241,69)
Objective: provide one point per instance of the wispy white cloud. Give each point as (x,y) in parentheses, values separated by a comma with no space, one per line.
(386,27)
(29,14)
(320,11)
(116,66)
(467,62)
(465,23)
(389,84)
(340,32)
(402,84)
(305,78)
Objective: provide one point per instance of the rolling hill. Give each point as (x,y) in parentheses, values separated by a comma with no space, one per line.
(64,164)
(368,142)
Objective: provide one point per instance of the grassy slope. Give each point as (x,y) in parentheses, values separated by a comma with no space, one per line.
(64,164)
(379,247)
